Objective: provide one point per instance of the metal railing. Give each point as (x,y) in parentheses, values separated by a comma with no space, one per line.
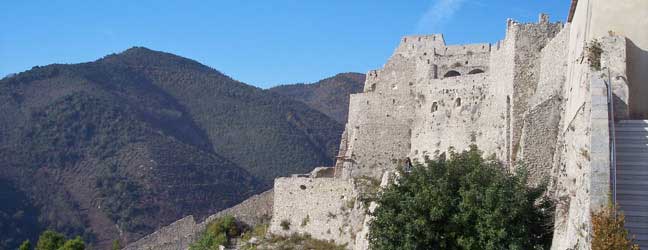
(613,168)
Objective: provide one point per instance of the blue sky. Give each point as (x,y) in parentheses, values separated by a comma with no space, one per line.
(263,43)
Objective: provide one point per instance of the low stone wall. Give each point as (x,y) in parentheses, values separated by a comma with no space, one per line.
(180,234)
(325,208)
(255,210)
(176,236)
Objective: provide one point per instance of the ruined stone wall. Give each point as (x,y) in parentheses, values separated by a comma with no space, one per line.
(325,208)
(542,120)
(177,235)
(529,40)
(447,115)
(180,234)
(582,158)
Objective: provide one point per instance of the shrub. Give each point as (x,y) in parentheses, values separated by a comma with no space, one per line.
(464,202)
(594,52)
(285,225)
(26,245)
(52,240)
(608,230)
(302,241)
(218,232)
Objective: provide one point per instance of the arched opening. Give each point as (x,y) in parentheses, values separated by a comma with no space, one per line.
(435,107)
(475,71)
(451,73)
(458,102)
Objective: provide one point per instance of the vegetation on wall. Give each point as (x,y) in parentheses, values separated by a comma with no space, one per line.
(594,51)
(218,232)
(462,202)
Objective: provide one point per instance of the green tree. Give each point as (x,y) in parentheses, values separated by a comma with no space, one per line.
(50,240)
(73,244)
(462,202)
(26,245)
(116,245)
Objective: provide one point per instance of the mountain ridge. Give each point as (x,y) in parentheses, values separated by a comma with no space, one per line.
(117,147)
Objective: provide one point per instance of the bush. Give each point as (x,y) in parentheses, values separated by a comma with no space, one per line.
(608,229)
(285,225)
(465,202)
(302,241)
(594,52)
(218,232)
(26,245)
(52,240)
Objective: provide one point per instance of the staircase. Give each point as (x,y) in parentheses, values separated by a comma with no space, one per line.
(632,176)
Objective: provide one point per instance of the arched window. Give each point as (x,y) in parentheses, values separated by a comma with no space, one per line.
(451,73)
(475,71)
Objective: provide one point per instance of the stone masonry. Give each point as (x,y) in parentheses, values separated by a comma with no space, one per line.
(532,98)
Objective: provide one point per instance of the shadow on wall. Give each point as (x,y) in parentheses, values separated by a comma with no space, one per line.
(620,108)
(638,80)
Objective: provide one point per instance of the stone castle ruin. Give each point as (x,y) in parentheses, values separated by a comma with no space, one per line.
(537,97)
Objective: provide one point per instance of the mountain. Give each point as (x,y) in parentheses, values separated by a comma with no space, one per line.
(330,96)
(116,148)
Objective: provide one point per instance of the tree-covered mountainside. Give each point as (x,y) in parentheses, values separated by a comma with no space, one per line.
(116,148)
(330,96)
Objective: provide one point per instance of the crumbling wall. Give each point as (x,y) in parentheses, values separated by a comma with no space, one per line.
(582,160)
(180,234)
(325,208)
(542,120)
(447,115)
(177,235)
(529,40)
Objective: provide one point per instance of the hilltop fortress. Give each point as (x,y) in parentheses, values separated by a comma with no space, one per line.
(557,97)
(537,97)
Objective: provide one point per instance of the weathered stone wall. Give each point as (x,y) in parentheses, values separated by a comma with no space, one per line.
(175,236)
(529,40)
(542,120)
(582,160)
(180,234)
(325,208)
(534,100)
(255,210)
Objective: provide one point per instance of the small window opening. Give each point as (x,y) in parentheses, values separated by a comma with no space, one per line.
(451,73)
(475,71)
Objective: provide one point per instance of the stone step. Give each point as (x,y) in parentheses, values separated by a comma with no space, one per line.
(631,197)
(635,224)
(627,122)
(631,129)
(639,233)
(631,145)
(637,219)
(631,183)
(632,156)
(632,205)
(630,138)
(622,173)
(630,171)
(632,163)
(631,179)
(630,191)
(626,185)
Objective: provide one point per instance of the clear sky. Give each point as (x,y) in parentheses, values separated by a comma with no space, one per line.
(263,42)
